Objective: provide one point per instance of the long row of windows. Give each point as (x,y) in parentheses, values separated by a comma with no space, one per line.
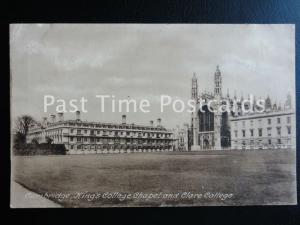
(116,140)
(260,142)
(269,121)
(99,147)
(260,132)
(111,126)
(128,133)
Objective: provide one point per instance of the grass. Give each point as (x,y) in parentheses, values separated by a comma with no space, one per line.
(252,177)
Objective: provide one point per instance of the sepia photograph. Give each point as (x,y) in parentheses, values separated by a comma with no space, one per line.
(152,115)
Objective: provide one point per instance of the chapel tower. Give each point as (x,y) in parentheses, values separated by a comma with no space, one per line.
(218,82)
(217,114)
(194,118)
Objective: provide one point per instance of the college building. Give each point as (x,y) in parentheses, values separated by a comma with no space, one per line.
(80,137)
(210,127)
(251,128)
(275,128)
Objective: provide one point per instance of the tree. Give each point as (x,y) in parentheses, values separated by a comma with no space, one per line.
(22,126)
(35,141)
(18,143)
(49,140)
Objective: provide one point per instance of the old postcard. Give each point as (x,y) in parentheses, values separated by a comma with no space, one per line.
(159,115)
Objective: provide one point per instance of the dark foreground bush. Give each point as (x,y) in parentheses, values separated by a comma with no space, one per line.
(40,149)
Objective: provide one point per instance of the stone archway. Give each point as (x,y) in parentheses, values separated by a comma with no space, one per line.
(206,144)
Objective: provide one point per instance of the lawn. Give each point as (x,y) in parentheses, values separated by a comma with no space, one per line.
(162,179)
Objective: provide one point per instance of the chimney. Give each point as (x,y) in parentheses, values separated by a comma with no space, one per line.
(77,115)
(60,116)
(159,122)
(151,123)
(53,118)
(123,119)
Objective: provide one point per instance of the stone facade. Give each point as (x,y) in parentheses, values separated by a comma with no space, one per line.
(81,137)
(268,130)
(212,129)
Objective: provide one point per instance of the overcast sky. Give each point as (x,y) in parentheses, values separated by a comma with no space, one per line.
(146,61)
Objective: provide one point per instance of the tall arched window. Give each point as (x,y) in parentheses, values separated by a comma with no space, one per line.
(206,119)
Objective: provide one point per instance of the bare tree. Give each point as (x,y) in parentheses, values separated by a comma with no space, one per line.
(22,126)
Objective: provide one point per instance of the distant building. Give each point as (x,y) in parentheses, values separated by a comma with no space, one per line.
(81,137)
(181,136)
